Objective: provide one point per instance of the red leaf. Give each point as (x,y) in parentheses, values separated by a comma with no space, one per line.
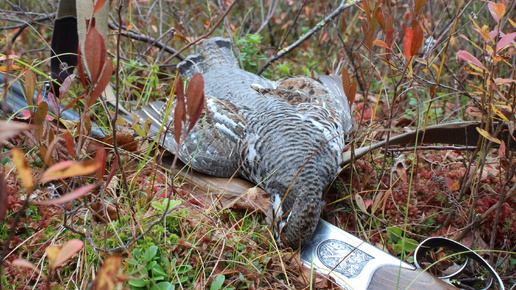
(102,83)
(52,103)
(381,20)
(79,192)
(3,197)
(494,11)
(407,43)
(72,103)
(95,53)
(98,6)
(66,169)
(352,93)
(389,37)
(418,5)
(69,143)
(380,43)
(195,94)
(462,54)
(101,157)
(87,124)
(505,41)
(346,81)
(113,170)
(501,150)
(39,117)
(197,113)
(417,38)
(500,81)
(180,110)
(65,86)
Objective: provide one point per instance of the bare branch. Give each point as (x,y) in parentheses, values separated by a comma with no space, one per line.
(343,6)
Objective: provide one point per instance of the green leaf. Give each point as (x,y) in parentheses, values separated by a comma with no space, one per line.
(397,248)
(164,286)
(410,244)
(139,283)
(150,254)
(183,269)
(163,205)
(218,282)
(158,270)
(150,265)
(395,233)
(158,278)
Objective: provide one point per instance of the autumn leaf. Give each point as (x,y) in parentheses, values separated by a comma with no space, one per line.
(79,192)
(30,84)
(497,10)
(469,58)
(107,273)
(407,43)
(57,255)
(488,136)
(24,171)
(39,118)
(195,99)
(95,53)
(101,157)
(418,6)
(505,41)
(417,38)
(69,168)
(98,6)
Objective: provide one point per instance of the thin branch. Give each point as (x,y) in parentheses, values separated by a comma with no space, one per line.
(24,24)
(317,27)
(147,39)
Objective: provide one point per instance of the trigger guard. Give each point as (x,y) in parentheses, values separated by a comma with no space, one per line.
(438,242)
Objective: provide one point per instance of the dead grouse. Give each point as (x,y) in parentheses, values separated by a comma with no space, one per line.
(287,136)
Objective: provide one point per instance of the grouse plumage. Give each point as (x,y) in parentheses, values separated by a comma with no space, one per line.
(287,136)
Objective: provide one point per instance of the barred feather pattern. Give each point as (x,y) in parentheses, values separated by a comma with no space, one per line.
(287,136)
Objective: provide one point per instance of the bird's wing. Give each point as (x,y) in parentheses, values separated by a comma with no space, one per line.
(213,145)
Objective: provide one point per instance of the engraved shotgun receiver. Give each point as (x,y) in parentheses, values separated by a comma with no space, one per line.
(356,264)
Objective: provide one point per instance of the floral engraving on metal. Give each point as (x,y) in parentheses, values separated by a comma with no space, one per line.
(342,258)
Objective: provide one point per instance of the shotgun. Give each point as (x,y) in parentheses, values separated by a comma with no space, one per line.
(356,264)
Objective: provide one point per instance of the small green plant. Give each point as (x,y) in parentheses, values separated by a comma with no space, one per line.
(402,244)
(249,52)
(156,271)
(284,69)
(218,282)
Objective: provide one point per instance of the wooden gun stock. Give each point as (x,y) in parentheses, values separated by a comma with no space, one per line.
(386,278)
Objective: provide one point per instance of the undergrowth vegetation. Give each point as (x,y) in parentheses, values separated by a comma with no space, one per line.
(79,210)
